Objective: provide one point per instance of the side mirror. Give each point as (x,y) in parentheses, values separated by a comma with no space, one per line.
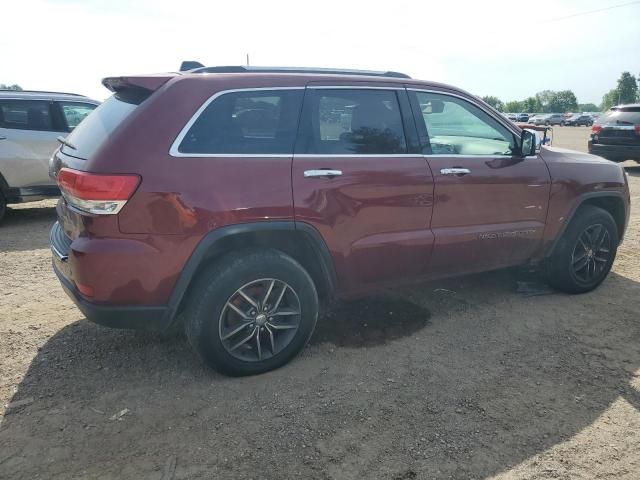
(530,142)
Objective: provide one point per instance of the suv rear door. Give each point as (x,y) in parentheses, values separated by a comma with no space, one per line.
(491,205)
(28,132)
(359,179)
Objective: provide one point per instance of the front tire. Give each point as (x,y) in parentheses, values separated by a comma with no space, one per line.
(251,312)
(585,253)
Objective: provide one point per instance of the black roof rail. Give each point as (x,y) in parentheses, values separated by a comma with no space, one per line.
(45,92)
(329,71)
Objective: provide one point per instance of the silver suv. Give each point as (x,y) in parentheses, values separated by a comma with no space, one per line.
(30,123)
(549,119)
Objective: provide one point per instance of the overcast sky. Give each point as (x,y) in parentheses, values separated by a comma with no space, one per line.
(511,48)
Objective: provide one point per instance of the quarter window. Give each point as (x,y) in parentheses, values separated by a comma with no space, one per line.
(457,127)
(348,122)
(25,115)
(247,122)
(74,112)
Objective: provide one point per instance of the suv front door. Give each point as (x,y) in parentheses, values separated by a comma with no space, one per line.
(490,203)
(360,180)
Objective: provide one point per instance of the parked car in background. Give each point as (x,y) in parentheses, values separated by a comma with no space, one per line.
(549,119)
(522,117)
(512,116)
(616,134)
(271,191)
(579,119)
(30,123)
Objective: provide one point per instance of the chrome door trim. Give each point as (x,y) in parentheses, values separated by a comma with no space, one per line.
(358,155)
(174,149)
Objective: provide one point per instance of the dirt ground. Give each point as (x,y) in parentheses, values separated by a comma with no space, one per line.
(464,378)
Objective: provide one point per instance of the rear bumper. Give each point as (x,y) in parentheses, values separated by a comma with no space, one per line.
(115,316)
(130,317)
(616,153)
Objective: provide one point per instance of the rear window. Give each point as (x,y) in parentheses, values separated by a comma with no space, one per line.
(624,116)
(260,122)
(93,130)
(26,115)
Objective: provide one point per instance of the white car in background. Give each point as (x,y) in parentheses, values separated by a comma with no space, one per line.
(30,124)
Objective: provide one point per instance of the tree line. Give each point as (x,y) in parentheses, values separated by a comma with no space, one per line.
(10,87)
(550,101)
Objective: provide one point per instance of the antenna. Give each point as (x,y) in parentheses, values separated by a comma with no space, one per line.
(247,59)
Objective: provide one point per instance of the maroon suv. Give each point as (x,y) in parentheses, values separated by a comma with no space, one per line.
(236,200)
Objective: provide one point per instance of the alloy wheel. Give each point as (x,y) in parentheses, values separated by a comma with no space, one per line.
(591,253)
(259,320)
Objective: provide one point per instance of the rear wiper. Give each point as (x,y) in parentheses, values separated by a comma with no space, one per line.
(623,122)
(64,142)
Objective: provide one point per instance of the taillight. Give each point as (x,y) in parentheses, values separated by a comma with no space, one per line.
(596,129)
(637,129)
(96,193)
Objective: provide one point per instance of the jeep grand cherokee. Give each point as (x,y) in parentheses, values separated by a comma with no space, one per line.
(236,200)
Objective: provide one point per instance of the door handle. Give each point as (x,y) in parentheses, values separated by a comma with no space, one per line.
(455,171)
(322,173)
(2,137)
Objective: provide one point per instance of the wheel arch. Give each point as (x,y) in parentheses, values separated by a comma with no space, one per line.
(610,201)
(299,240)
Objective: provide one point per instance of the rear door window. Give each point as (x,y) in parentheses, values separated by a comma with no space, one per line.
(26,115)
(352,122)
(252,122)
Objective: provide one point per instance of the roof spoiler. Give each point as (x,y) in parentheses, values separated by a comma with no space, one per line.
(190,65)
(144,82)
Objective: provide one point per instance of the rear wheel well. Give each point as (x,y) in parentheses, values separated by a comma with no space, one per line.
(296,243)
(613,205)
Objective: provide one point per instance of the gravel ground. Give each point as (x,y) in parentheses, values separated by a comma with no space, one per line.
(464,378)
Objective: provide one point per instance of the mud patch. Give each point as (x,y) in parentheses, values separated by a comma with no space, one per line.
(370,321)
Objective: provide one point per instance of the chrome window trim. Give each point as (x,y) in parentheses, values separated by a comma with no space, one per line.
(462,97)
(359,155)
(353,87)
(174,149)
(481,155)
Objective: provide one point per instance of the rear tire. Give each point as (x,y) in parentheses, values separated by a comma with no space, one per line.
(3,207)
(584,255)
(231,326)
